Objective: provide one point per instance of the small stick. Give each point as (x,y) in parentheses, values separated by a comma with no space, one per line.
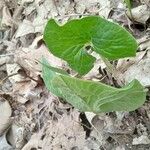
(1,82)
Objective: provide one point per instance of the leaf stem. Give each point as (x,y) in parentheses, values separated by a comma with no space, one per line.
(109,66)
(112,70)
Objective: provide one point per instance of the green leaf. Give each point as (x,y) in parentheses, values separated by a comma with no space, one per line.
(106,38)
(94,96)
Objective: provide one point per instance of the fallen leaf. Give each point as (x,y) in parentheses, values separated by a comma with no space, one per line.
(5,113)
(16,136)
(136,68)
(23,90)
(143,139)
(32,55)
(25,28)
(90,116)
(140,13)
(144,43)
(12,71)
(105,8)
(7,20)
(4,144)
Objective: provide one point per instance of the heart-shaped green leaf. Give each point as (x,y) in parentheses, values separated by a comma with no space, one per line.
(106,38)
(93,96)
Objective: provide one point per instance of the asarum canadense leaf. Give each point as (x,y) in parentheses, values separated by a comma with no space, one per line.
(93,96)
(68,41)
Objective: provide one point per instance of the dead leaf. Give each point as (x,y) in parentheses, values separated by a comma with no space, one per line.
(26,1)
(12,70)
(144,43)
(16,136)
(136,68)
(22,90)
(25,28)
(90,116)
(105,8)
(4,144)
(143,139)
(147,2)
(31,55)
(33,143)
(5,113)
(66,132)
(94,72)
(4,60)
(140,13)
(7,20)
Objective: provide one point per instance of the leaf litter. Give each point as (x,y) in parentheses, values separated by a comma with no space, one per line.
(42,121)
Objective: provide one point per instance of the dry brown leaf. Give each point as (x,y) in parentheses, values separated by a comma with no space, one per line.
(5,113)
(16,136)
(12,71)
(28,58)
(23,90)
(147,2)
(94,6)
(7,20)
(90,116)
(33,143)
(42,14)
(94,72)
(140,13)
(66,133)
(4,60)
(143,139)
(105,8)
(144,43)
(44,9)
(4,144)
(136,68)
(25,28)
(26,1)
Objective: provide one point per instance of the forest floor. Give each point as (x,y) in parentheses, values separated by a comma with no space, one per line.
(31,118)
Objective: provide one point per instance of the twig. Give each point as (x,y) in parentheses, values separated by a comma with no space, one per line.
(5,55)
(1,82)
(83,124)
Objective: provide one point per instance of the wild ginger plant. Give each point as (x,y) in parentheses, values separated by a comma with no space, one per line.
(111,42)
